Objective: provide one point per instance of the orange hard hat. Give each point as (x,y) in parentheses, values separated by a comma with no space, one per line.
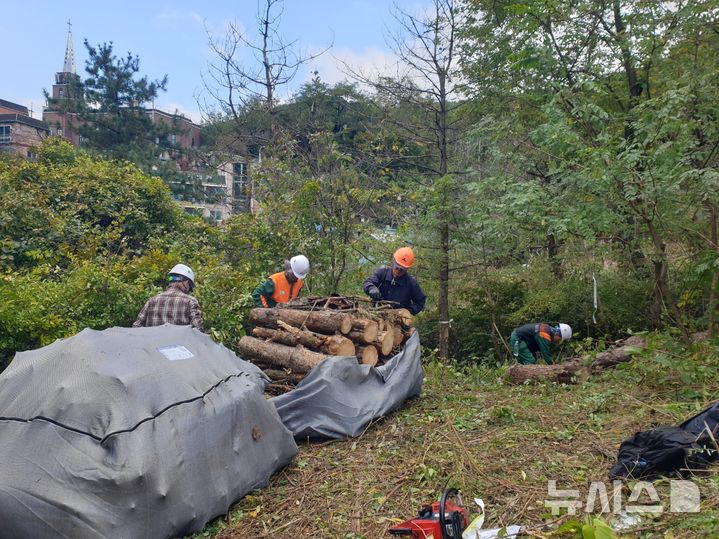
(404,257)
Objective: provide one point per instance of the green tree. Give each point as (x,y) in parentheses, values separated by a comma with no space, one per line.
(427,84)
(110,106)
(68,203)
(607,132)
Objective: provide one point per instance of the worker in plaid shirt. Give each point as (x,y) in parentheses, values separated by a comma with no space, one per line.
(175,305)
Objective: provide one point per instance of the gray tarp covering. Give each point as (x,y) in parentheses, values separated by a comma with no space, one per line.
(120,433)
(339,398)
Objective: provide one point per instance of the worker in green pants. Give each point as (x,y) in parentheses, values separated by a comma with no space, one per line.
(529,339)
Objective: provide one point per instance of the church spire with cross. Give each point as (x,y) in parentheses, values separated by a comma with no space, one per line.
(69,65)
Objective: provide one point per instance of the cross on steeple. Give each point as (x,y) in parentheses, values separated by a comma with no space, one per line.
(69,64)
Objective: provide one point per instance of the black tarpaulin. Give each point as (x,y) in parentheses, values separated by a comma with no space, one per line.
(669,450)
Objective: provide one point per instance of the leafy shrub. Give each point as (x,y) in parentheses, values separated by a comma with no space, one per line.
(509,297)
(68,202)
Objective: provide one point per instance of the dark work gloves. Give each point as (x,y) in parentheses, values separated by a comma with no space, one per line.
(374,293)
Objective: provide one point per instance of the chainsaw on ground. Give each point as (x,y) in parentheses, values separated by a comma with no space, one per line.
(445,519)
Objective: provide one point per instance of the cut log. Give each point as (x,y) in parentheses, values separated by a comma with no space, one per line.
(384,342)
(297,358)
(289,337)
(401,317)
(368,328)
(567,373)
(363,337)
(621,354)
(406,316)
(367,355)
(333,345)
(337,345)
(327,322)
(397,336)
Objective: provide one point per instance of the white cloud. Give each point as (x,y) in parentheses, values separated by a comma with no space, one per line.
(337,65)
(172,107)
(175,16)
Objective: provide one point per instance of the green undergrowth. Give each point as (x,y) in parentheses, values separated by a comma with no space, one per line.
(472,430)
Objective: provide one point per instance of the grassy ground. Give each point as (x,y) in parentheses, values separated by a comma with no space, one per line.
(494,441)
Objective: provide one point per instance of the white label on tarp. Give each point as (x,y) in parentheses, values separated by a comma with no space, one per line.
(175,352)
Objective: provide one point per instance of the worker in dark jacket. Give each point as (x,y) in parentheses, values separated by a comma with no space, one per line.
(175,305)
(529,339)
(393,283)
(283,286)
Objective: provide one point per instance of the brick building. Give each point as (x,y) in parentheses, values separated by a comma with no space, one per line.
(19,132)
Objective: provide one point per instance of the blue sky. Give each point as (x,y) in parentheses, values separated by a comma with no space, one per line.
(170,38)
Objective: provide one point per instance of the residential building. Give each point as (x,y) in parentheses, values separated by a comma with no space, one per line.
(218,191)
(19,132)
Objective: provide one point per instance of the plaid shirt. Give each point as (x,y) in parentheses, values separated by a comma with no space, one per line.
(173,306)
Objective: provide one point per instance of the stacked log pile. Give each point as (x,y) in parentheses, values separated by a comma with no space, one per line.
(289,340)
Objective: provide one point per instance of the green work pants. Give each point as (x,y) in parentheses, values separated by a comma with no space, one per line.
(520,350)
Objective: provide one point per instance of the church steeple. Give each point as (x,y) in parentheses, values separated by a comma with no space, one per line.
(60,112)
(65,78)
(69,65)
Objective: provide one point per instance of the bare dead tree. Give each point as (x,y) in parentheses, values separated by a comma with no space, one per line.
(427,79)
(248,70)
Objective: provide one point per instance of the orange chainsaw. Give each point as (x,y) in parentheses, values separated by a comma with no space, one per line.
(445,519)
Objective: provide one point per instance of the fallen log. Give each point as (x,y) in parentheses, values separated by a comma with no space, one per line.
(327,322)
(621,354)
(333,345)
(297,358)
(290,338)
(367,355)
(567,373)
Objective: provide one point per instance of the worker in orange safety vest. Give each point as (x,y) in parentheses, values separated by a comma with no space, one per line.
(283,286)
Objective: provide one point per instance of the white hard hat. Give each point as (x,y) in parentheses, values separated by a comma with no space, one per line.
(183,271)
(300,266)
(565,330)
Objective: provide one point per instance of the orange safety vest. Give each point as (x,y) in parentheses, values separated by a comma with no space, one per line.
(284,290)
(544,332)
